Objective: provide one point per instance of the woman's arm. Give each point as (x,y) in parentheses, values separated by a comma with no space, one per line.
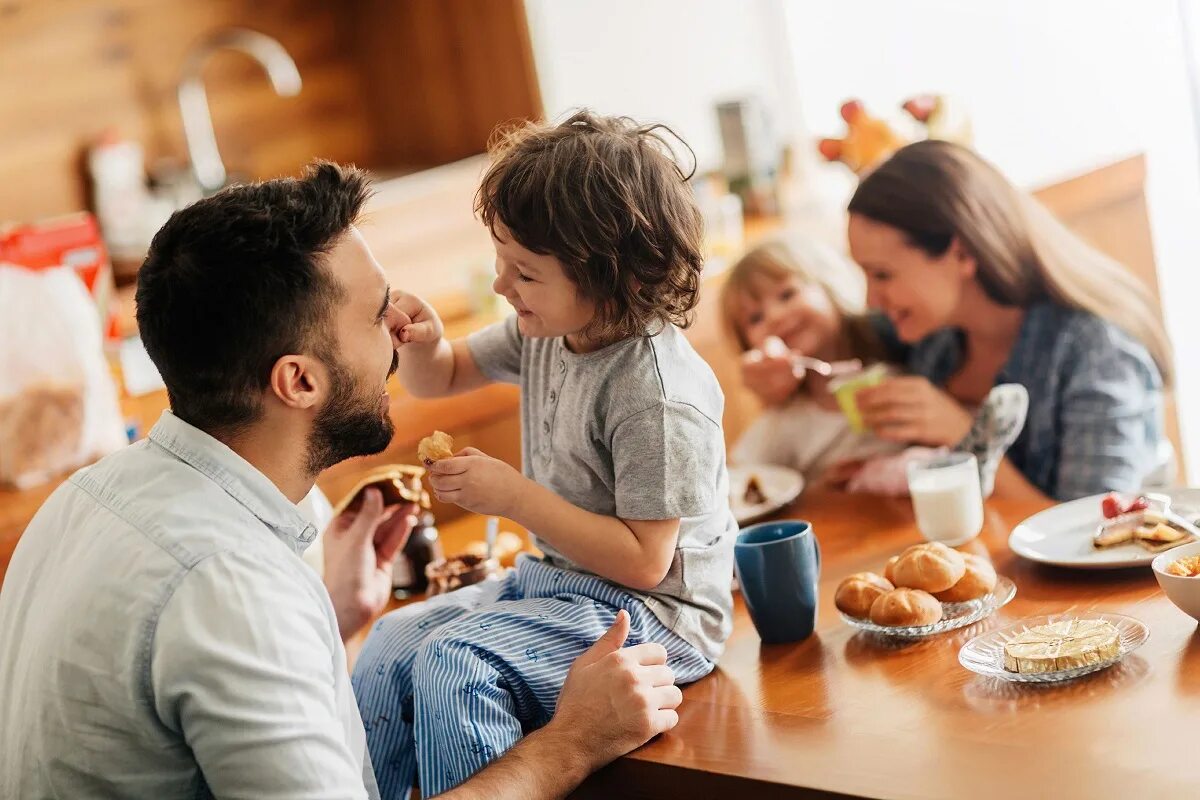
(1111,412)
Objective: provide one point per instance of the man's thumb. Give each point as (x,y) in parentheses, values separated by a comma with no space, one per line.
(611,641)
(369,514)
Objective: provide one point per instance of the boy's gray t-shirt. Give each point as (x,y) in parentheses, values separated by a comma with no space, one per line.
(631,431)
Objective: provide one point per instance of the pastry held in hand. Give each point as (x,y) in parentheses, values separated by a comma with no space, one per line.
(906,608)
(931,567)
(435,447)
(398,483)
(978,581)
(857,593)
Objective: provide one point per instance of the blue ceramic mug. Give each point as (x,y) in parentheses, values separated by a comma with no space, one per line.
(778,568)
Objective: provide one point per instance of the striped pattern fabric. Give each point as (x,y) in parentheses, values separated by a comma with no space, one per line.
(447,685)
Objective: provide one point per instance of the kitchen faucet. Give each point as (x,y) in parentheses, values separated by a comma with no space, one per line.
(205,158)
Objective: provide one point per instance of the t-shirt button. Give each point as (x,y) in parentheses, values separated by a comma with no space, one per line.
(546,427)
(562,366)
(553,395)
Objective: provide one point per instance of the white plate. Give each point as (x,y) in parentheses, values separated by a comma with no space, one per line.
(780,485)
(1062,535)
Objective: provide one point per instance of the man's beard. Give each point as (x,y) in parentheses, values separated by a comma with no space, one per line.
(350,423)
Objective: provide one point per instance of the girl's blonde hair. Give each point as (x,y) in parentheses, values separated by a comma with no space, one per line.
(795,256)
(936,192)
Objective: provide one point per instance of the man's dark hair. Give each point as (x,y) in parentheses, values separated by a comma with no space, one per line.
(606,197)
(235,281)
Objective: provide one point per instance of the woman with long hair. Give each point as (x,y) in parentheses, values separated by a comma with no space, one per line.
(981,286)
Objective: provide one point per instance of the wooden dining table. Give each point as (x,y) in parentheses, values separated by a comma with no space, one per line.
(849,714)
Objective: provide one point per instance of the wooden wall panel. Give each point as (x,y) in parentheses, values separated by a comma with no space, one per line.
(71,68)
(466,66)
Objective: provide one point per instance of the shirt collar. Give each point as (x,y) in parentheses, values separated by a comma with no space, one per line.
(236,476)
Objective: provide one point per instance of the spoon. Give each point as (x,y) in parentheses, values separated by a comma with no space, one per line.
(824,368)
(775,348)
(493,527)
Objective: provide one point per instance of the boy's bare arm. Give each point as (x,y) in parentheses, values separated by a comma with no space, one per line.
(634,553)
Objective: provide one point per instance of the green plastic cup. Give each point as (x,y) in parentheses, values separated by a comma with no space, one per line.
(844,390)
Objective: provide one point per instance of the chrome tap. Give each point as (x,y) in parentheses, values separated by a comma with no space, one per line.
(207,166)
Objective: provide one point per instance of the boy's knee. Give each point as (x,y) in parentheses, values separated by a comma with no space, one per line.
(464,638)
(394,641)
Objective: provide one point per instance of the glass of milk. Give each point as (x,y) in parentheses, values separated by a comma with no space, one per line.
(946,497)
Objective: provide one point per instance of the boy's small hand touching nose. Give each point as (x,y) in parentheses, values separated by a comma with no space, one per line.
(413,320)
(477,482)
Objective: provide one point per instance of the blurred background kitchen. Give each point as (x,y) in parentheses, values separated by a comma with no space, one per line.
(115,112)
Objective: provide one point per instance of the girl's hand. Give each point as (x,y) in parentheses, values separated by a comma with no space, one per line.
(771,377)
(477,482)
(416,322)
(912,410)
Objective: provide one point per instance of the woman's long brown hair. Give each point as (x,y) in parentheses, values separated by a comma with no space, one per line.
(936,192)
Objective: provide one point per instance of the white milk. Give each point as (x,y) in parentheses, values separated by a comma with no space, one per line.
(947,502)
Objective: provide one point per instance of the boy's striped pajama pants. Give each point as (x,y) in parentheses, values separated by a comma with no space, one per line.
(447,685)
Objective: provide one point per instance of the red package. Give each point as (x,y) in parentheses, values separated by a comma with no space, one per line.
(72,240)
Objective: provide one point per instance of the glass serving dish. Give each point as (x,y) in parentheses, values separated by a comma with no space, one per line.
(985,653)
(954,615)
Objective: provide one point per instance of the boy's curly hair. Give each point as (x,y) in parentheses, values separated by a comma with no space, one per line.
(606,197)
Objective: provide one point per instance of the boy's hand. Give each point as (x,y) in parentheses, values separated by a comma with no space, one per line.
(477,482)
(416,322)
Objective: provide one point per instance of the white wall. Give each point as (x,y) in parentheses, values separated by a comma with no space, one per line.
(655,60)
(1055,88)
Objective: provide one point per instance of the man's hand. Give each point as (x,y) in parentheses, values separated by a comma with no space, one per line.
(911,410)
(415,321)
(477,482)
(616,699)
(360,548)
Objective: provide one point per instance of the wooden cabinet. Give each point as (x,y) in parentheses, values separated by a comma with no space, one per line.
(392,85)
(440,75)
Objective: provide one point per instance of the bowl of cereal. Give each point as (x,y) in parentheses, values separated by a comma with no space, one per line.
(1178,573)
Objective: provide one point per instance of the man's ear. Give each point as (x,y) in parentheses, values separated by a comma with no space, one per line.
(299,381)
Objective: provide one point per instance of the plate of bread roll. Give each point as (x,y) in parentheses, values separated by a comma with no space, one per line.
(926,590)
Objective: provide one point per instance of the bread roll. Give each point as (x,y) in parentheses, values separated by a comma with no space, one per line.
(888,567)
(906,607)
(931,567)
(977,581)
(856,593)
